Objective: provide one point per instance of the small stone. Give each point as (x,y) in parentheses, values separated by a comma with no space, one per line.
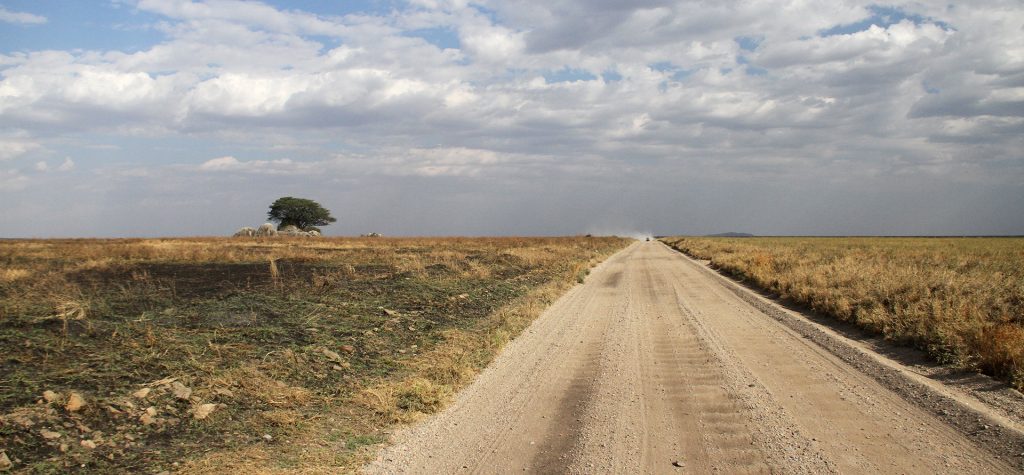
(224,392)
(88,444)
(203,411)
(348,348)
(49,434)
(5,462)
(147,419)
(50,396)
(142,393)
(331,355)
(75,402)
(151,411)
(677,463)
(181,391)
(268,437)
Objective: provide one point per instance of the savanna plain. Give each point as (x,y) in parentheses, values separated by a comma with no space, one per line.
(959,299)
(313,355)
(276,354)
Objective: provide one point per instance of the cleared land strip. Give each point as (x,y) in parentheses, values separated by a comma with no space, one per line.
(656,365)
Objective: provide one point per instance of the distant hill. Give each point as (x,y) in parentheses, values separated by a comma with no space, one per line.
(731,234)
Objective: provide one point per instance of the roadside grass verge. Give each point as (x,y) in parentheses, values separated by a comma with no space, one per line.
(959,299)
(262,355)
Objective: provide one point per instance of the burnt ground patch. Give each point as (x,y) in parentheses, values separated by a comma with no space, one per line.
(238,336)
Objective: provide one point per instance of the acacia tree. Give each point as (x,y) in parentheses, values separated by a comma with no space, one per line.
(299,212)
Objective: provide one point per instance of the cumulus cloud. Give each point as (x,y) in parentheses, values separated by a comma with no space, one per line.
(12,180)
(9,16)
(15,145)
(229,163)
(657,91)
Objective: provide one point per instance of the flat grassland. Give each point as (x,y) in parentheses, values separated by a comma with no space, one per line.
(230,355)
(960,299)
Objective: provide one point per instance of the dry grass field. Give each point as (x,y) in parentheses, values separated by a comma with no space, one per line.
(256,355)
(960,299)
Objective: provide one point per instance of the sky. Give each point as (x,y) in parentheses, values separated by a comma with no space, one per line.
(515,117)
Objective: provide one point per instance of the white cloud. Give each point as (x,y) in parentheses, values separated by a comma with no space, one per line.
(659,88)
(229,163)
(15,145)
(8,16)
(220,163)
(12,180)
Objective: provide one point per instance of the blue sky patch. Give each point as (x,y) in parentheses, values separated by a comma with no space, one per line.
(611,76)
(750,69)
(678,73)
(73,24)
(320,7)
(568,74)
(883,17)
(443,38)
(663,66)
(748,43)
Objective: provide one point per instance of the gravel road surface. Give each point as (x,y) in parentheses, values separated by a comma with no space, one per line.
(656,365)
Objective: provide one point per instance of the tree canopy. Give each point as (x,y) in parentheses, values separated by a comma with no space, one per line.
(299,212)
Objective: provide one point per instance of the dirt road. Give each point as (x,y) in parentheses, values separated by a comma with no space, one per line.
(655,366)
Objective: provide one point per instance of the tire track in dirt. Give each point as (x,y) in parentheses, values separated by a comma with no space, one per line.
(653,366)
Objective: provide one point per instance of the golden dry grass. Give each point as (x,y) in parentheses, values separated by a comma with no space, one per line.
(323,344)
(960,299)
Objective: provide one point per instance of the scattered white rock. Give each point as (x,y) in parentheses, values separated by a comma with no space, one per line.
(266,229)
(202,411)
(148,417)
(268,437)
(75,402)
(181,391)
(50,396)
(331,355)
(5,462)
(49,434)
(88,444)
(142,393)
(245,231)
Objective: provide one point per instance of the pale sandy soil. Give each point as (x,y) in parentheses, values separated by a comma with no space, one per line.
(658,365)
